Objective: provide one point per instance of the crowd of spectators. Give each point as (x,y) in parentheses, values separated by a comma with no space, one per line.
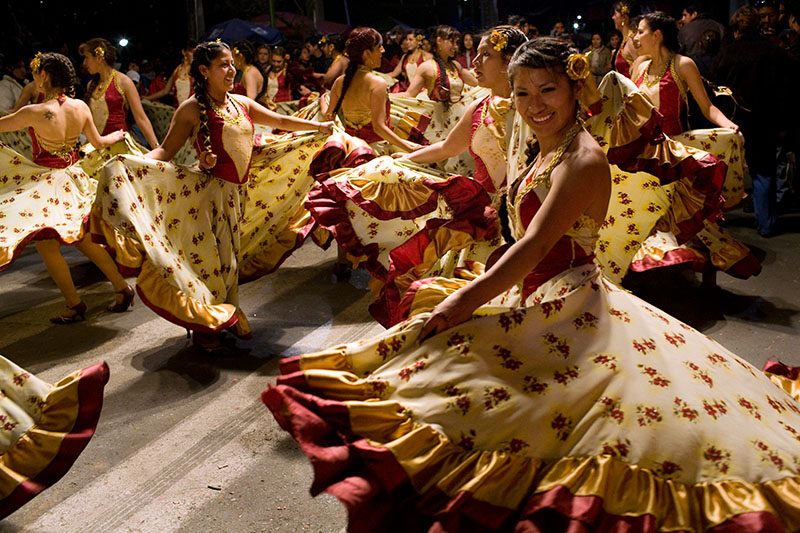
(755,54)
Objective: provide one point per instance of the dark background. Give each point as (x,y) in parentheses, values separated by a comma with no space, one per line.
(159,28)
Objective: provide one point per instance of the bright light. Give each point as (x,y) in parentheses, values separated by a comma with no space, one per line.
(579,17)
(576,26)
(123,42)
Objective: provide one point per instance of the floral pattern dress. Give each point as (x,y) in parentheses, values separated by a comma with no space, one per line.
(51,197)
(202,231)
(43,428)
(712,244)
(406,221)
(565,400)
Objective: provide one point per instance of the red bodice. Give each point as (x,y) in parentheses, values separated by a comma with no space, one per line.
(363,129)
(565,254)
(670,100)
(621,64)
(117,109)
(231,142)
(45,158)
(284,93)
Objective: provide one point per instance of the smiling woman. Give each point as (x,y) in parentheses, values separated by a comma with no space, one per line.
(190,275)
(546,398)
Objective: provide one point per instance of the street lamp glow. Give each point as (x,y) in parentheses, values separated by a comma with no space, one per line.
(123,42)
(579,17)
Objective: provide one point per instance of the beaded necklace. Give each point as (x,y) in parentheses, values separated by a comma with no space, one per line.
(223,114)
(533,180)
(657,79)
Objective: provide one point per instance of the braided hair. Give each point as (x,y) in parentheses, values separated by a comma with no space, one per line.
(59,70)
(446,33)
(204,53)
(361,39)
(98,47)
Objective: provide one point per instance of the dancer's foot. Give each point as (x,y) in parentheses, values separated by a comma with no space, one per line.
(124,300)
(74,313)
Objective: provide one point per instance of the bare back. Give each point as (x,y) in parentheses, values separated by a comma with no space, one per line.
(58,124)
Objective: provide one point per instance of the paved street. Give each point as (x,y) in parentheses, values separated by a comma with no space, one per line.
(184,443)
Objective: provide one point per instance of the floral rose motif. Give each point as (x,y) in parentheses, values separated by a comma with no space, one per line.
(577,67)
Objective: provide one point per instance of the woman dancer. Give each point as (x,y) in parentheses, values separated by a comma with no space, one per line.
(541,396)
(667,78)
(411,60)
(332,46)
(398,216)
(51,205)
(278,80)
(190,225)
(625,14)
(467,51)
(252,81)
(361,95)
(112,94)
(441,76)
(180,83)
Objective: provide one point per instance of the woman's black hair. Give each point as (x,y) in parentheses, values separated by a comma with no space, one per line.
(660,21)
(246,49)
(361,39)
(513,36)
(59,70)
(98,47)
(628,7)
(204,53)
(446,33)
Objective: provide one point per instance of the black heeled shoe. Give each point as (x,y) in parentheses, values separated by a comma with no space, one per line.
(74,313)
(127,300)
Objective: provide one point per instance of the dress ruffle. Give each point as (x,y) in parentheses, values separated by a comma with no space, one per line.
(38,203)
(383,422)
(46,427)
(399,219)
(395,475)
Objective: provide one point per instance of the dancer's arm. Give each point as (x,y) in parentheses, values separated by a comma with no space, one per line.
(687,69)
(27,96)
(262,115)
(377,104)
(135,103)
(185,119)
(456,142)
(421,77)
(466,75)
(165,91)
(90,130)
(579,186)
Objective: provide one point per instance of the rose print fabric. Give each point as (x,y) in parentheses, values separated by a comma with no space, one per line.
(567,397)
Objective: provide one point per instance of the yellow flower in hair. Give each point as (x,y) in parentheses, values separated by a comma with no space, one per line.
(36,63)
(577,67)
(235,50)
(420,38)
(100,52)
(324,39)
(499,40)
(624,10)
(287,57)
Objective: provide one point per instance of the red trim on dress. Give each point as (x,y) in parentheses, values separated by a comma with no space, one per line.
(90,398)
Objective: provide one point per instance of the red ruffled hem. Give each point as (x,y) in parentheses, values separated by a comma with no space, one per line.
(673,257)
(705,175)
(90,397)
(44,234)
(379,496)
